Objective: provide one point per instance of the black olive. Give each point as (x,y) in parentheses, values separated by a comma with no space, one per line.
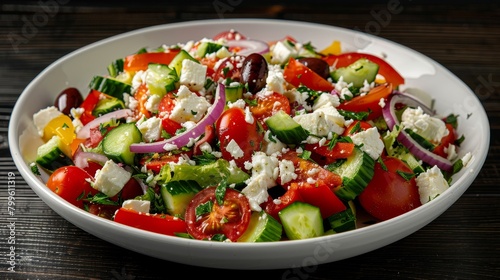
(68,99)
(254,72)
(319,66)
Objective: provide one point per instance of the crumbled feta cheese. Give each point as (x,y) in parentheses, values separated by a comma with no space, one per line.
(256,191)
(234,149)
(240,103)
(141,206)
(152,103)
(188,106)
(275,81)
(287,171)
(248,116)
(381,102)
(111,178)
(451,152)
(321,122)
(431,128)
(130,101)
(43,117)
(431,184)
(264,174)
(326,100)
(193,74)
(370,142)
(271,144)
(150,129)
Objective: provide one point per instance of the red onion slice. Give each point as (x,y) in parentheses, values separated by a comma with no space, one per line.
(183,139)
(249,46)
(84,132)
(81,159)
(389,113)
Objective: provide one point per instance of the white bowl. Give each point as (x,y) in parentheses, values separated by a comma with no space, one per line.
(77,68)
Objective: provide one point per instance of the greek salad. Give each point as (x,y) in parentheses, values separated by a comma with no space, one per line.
(238,140)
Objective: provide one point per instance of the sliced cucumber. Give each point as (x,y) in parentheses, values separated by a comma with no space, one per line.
(301,220)
(51,155)
(116,143)
(161,79)
(209,174)
(411,161)
(177,195)
(286,129)
(110,86)
(107,105)
(115,67)
(262,228)
(356,172)
(176,63)
(234,92)
(207,48)
(343,221)
(357,72)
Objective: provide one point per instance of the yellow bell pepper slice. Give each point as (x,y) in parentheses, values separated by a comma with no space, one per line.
(334,48)
(61,126)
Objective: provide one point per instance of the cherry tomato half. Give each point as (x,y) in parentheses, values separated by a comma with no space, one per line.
(389,194)
(232,126)
(230,219)
(268,105)
(70,182)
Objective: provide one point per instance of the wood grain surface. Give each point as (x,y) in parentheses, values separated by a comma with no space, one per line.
(463,243)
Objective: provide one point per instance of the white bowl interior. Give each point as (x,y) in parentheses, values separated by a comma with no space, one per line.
(76,69)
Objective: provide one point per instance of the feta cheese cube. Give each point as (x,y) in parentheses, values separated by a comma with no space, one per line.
(431,128)
(370,142)
(320,122)
(188,106)
(141,206)
(326,100)
(43,117)
(193,74)
(111,178)
(150,129)
(281,52)
(431,184)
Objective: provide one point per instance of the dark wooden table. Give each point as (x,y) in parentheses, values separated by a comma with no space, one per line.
(463,243)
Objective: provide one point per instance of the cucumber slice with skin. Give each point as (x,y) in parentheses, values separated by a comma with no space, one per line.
(207,48)
(161,79)
(116,143)
(343,221)
(286,129)
(107,105)
(301,220)
(262,228)
(357,72)
(234,92)
(177,195)
(176,63)
(209,174)
(110,86)
(356,173)
(51,156)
